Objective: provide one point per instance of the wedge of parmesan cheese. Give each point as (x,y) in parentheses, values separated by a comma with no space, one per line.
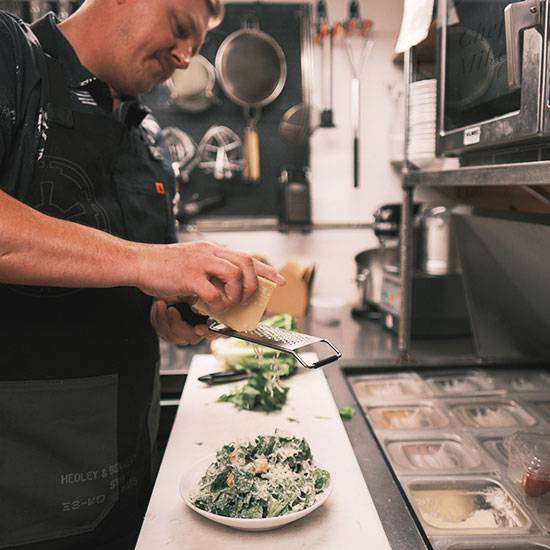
(239,317)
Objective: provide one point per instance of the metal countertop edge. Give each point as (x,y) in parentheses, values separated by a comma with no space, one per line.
(397,520)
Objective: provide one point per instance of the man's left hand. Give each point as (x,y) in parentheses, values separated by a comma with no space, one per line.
(170,327)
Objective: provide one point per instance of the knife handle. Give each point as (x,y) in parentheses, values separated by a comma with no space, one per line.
(188,315)
(224,377)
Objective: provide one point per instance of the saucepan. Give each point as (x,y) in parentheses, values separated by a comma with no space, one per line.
(251,69)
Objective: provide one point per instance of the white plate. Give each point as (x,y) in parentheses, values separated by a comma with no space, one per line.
(191,478)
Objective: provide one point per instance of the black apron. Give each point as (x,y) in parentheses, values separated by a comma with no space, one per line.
(79,367)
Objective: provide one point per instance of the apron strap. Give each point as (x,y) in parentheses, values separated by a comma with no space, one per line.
(58,104)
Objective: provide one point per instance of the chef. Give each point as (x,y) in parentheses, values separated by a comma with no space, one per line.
(87,271)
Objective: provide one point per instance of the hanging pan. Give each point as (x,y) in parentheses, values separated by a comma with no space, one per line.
(192,89)
(251,69)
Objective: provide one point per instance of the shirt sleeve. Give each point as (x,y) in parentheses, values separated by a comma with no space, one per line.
(7,89)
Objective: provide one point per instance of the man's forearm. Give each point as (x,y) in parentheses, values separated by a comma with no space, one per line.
(36,249)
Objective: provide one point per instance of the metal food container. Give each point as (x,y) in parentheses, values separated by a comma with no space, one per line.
(389,388)
(417,415)
(441,453)
(490,413)
(467,506)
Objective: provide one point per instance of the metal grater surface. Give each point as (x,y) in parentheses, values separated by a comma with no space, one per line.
(280,339)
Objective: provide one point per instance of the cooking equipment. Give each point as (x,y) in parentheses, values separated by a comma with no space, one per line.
(220,152)
(182,150)
(224,376)
(251,69)
(325,36)
(438,304)
(295,197)
(301,120)
(493,85)
(436,252)
(287,341)
(192,89)
(370,266)
(370,263)
(356,60)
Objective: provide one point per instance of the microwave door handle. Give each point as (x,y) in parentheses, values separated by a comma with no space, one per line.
(518,17)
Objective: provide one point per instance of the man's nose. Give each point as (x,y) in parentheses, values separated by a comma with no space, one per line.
(182,53)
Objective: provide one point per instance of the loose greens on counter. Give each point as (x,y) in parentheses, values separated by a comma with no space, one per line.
(346,413)
(263,390)
(270,476)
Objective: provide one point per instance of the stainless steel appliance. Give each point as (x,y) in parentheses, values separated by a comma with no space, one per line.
(493,77)
(438,306)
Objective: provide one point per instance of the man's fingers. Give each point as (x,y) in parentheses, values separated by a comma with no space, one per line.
(249,277)
(269,272)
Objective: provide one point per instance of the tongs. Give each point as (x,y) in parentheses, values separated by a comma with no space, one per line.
(279,339)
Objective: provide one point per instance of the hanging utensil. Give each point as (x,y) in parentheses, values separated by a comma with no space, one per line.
(251,69)
(356,26)
(183,152)
(301,120)
(325,37)
(220,152)
(192,89)
(279,339)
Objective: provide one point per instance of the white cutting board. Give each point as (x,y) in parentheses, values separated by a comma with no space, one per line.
(348,520)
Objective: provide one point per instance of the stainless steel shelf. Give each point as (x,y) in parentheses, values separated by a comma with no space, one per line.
(517,174)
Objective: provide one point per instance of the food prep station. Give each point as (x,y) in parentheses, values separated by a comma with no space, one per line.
(449,446)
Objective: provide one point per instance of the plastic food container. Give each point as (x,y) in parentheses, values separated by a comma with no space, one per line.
(406,417)
(543,408)
(467,506)
(529,470)
(491,413)
(496,449)
(388,388)
(492,543)
(522,380)
(446,454)
(461,383)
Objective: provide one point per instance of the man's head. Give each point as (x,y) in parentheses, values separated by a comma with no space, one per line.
(133,45)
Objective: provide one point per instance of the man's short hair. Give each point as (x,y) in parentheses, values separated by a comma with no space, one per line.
(217,10)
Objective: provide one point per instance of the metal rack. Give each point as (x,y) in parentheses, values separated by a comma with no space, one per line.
(528,175)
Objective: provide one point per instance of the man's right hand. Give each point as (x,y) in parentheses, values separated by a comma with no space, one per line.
(177,272)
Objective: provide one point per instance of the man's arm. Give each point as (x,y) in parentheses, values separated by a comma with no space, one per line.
(36,249)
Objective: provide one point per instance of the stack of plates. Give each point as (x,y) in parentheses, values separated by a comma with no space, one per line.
(422,112)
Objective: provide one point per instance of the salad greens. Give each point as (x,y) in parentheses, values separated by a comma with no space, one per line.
(346,413)
(263,390)
(270,476)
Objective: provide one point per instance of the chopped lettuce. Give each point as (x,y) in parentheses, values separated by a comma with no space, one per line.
(346,413)
(263,390)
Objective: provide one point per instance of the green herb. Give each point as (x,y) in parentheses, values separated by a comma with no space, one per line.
(262,391)
(290,419)
(269,476)
(346,413)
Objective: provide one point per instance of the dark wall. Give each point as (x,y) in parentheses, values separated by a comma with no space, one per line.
(282,22)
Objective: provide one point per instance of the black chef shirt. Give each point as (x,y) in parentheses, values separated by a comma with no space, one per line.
(23,126)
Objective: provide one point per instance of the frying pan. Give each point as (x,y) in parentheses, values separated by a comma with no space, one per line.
(251,69)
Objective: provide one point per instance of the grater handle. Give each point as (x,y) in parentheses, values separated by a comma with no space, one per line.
(322,362)
(188,315)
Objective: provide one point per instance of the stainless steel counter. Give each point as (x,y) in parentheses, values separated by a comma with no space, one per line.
(364,345)
(359,340)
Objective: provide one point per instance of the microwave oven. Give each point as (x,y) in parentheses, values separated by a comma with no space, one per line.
(493,85)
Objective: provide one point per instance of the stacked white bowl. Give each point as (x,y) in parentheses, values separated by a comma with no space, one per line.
(422,115)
